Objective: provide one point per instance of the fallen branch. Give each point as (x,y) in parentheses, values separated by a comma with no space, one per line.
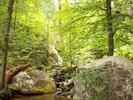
(14,71)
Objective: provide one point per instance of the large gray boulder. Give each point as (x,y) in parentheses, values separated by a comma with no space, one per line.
(33,82)
(109,78)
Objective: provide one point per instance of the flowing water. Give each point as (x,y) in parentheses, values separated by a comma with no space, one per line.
(41,97)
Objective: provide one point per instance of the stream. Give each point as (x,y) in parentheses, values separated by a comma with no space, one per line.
(41,97)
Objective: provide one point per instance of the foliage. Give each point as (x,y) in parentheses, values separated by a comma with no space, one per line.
(78,31)
(7,91)
(28,36)
(82,30)
(13,87)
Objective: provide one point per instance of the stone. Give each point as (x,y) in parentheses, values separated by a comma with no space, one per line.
(33,82)
(109,78)
(54,58)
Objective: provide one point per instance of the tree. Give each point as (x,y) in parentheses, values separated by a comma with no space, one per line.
(94,27)
(28,32)
(110,28)
(6,39)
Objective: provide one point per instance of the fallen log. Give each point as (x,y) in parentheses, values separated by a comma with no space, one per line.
(14,71)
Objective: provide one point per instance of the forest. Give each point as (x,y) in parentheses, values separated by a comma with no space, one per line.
(80,31)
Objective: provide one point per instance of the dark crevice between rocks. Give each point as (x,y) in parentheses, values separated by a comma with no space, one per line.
(64,82)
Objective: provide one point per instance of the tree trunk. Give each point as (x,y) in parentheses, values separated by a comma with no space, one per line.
(110,29)
(59,4)
(15,17)
(6,38)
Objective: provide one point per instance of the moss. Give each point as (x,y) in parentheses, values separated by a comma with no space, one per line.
(44,79)
(50,87)
(39,90)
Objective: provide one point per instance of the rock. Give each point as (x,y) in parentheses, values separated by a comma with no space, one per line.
(13,71)
(69,84)
(72,92)
(107,79)
(33,82)
(65,88)
(54,58)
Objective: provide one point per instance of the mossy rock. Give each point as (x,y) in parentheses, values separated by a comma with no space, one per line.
(33,82)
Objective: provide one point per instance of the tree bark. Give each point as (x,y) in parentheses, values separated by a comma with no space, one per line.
(110,29)
(6,38)
(15,17)
(59,4)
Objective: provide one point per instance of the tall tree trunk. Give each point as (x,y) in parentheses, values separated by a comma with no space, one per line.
(6,38)
(47,40)
(70,47)
(110,29)
(59,4)
(15,17)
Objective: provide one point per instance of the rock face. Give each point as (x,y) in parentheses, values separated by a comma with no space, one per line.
(107,79)
(33,82)
(54,58)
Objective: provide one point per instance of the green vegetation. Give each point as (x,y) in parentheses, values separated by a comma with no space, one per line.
(81,31)
(78,30)
(7,91)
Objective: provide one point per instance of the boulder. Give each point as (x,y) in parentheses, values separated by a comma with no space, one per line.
(33,82)
(109,78)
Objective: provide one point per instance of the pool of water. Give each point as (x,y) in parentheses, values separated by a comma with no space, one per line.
(41,97)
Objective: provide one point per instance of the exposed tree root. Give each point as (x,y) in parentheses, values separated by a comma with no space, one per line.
(14,71)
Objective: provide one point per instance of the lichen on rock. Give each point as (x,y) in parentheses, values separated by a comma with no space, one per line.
(114,79)
(33,82)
